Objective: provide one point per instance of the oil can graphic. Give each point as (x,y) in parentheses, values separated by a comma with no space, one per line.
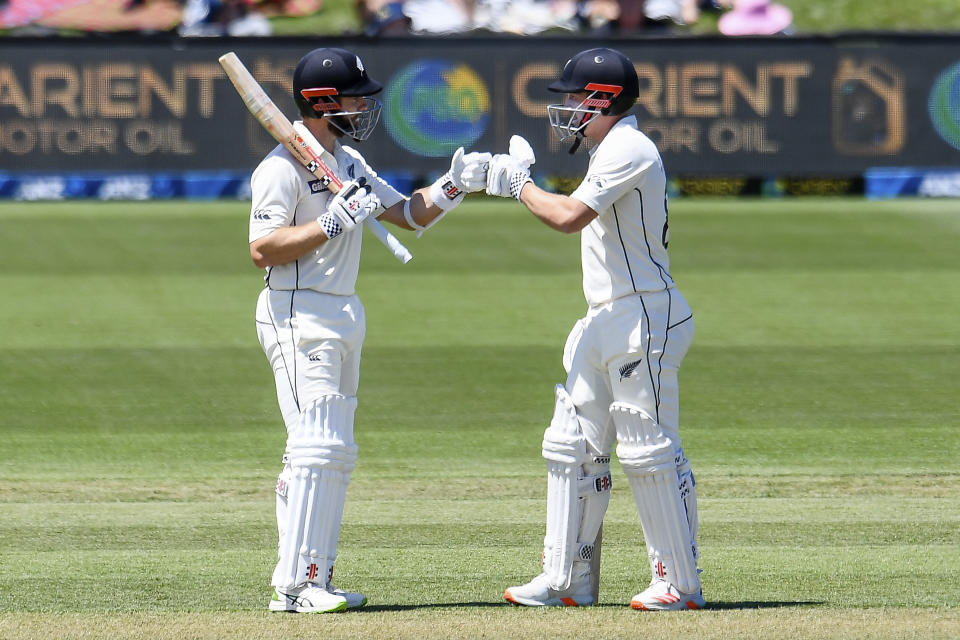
(868,108)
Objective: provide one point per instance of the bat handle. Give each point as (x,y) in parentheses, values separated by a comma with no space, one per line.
(388,239)
(354,187)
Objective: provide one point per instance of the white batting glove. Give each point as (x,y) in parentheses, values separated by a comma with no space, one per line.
(468,173)
(506,176)
(348,209)
(521,150)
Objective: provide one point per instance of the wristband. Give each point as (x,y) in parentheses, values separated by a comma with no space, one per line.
(331,226)
(517,181)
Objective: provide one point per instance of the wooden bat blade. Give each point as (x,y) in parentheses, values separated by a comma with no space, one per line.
(272,119)
(256,99)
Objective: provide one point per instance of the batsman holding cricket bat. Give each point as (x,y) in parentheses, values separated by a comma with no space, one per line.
(309,319)
(622,358)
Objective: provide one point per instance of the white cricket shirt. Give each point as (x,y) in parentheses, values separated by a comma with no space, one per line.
(624,249)
(285,194)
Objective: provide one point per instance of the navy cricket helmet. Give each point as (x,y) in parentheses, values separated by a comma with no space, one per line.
(322,77)
(610,81)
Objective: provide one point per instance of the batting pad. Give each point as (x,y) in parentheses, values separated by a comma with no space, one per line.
(578,493)
(322,455)
(648,457)
(688,493)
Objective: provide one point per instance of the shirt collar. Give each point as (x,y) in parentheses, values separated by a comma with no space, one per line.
(629,121)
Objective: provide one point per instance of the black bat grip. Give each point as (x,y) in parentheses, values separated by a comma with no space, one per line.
(354,187)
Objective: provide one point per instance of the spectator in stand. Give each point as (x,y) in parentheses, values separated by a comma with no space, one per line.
(525,17)
(599,17)
(607,16)
(383,18)
(663,15)
(223,17)
(439,17)
(756,18)
(445,17)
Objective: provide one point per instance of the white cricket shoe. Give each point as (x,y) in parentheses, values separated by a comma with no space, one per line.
(354,600)
(663,596)
(537,592)
(310,598)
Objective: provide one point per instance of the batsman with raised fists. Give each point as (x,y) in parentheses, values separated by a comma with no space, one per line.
(622,358)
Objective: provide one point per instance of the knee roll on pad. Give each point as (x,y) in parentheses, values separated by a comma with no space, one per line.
(323,436)
(642,446)
(578,492)
(648,455)
(322,454)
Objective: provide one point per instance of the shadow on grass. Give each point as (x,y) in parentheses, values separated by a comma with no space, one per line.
(432,605)
(763,605)
(603,605)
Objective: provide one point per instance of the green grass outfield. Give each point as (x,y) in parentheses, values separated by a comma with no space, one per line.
(140,440)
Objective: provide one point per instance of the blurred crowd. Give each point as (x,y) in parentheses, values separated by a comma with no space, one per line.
(386,18)
(390,17)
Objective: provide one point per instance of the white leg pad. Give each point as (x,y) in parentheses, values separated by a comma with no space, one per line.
(322,454)
(648,456)
(688,492)
(578,493)
(283,486)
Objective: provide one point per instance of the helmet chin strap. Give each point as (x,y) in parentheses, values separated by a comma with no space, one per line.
(579,135)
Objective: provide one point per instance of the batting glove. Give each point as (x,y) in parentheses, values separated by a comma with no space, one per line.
(468,173)
(521,150)
(348,209)
(506,176)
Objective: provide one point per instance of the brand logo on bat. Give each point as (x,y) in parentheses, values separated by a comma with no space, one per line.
(317,186)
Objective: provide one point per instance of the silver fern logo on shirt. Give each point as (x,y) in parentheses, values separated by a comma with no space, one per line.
(627,370)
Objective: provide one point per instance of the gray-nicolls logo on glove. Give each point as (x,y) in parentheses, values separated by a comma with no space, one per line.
(348,208)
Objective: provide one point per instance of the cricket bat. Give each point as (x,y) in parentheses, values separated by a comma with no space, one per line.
(282,130)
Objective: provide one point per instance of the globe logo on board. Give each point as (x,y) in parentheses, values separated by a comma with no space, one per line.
(434,106)
(944,105)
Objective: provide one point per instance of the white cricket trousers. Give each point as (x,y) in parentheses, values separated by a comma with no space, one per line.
(628,350)
(313,342)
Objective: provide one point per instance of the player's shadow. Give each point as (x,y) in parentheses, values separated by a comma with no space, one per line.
(432,605)
(749,604)
(745,605)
